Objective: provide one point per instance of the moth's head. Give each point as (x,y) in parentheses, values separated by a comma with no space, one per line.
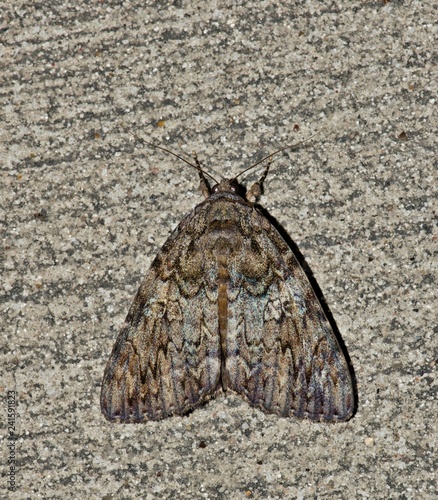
(228,186)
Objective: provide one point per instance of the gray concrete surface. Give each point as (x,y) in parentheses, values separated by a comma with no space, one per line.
(86,205)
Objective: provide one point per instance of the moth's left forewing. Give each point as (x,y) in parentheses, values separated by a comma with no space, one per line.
(166,359)
(283,355)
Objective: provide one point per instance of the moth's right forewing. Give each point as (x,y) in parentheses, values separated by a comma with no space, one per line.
(283,355)
(324,389)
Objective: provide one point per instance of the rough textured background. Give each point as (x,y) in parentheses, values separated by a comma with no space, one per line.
(86,205)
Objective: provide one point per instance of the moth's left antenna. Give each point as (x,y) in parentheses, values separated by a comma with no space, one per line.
(202,172)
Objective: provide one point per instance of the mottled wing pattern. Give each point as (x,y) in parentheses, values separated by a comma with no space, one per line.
(166,359)
(226,304)
(282,354)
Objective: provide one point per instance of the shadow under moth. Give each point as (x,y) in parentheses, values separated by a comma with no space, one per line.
(226,306)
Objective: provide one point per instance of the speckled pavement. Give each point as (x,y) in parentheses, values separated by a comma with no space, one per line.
(86,204)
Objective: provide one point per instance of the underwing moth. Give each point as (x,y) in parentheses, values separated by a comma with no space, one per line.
(226,306)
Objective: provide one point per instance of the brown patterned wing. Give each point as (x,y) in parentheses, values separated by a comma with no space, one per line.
(166,360)
(282,354)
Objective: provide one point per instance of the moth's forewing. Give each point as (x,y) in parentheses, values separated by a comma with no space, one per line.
(281,352)
(166,360)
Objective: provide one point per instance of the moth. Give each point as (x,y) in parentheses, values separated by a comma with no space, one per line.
(226,306)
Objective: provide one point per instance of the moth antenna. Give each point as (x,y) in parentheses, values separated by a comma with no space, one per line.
(292,146)
(197,166)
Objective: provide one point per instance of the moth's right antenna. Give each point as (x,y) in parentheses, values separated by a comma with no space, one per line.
(292,146)
(256,189)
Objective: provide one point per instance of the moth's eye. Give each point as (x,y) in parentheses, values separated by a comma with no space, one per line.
(215,188)
(233,188)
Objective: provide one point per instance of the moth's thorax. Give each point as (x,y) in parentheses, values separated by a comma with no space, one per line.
(223,217)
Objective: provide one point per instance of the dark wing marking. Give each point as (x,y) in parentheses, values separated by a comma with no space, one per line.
(282,354)
(166,360)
